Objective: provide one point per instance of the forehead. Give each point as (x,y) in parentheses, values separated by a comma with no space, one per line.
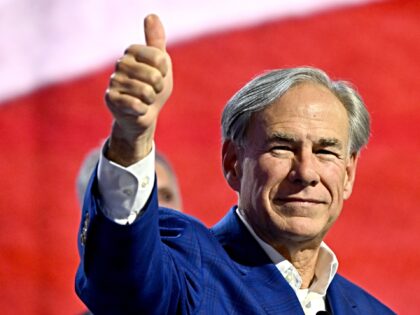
(307,110)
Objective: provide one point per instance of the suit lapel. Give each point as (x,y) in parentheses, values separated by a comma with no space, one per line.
(339,299)
(259,274)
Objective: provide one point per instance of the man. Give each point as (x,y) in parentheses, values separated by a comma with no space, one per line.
(291,140)
(169,195)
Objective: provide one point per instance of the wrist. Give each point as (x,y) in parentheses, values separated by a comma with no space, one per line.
(126,149)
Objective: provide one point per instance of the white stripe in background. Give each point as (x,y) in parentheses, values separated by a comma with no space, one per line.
(44,41)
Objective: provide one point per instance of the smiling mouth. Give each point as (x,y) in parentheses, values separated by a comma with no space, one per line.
(303,201)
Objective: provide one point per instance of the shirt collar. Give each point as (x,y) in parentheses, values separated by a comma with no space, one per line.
(325,269)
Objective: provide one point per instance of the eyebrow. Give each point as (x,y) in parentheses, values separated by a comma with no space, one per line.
(282,137)
(330,142)
(287,138)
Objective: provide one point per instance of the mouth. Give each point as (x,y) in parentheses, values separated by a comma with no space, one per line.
(297,200)
(298,206)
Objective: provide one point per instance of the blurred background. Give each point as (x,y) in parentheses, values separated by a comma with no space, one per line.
(55,60)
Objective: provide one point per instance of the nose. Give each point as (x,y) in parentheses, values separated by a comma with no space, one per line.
(303,171)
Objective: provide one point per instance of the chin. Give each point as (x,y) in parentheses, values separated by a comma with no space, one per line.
(305,231)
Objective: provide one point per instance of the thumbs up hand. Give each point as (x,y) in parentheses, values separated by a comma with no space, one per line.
(139,87)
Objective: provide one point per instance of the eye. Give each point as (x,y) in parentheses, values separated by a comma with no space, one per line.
(281,148)
(326,152)
(165,195)
(281,151)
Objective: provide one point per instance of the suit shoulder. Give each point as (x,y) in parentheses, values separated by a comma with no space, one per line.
(361,297)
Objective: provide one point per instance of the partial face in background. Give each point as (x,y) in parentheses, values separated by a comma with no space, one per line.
(295,170)
(168,190)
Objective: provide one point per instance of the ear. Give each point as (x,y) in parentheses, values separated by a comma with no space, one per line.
(231,164)
(350,175)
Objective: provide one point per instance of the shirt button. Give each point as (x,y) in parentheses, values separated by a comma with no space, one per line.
(145,181)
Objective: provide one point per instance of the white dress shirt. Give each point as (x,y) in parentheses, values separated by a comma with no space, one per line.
(313,298)
(125,190)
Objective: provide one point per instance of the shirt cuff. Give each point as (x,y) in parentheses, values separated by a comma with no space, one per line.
(125,190)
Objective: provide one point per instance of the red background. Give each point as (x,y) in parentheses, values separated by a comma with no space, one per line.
(45,135)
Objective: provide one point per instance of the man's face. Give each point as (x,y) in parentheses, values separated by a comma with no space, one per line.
(295,170)
(168,192)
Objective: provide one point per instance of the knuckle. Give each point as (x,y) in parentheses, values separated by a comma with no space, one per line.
(159,60)
(147,94)
(111,97)
(109,93)
(131,49)
(132,104)
(122,63)
(156,80)
(114,80)
(146,90)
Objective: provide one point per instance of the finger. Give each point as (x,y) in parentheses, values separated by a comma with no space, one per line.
(122,104)
(140,71)
(154,32)
(134,88)
(151,56)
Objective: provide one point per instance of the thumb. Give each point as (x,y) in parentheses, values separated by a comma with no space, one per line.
(154,32)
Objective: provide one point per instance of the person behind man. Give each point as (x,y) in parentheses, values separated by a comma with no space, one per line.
(291,141)
(168,189)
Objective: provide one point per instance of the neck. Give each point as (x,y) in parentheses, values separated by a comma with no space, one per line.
(302,254)
(303,259)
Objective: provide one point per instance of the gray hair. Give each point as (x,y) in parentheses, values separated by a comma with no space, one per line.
(264,89)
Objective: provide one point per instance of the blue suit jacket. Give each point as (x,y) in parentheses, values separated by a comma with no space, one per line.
(169,263)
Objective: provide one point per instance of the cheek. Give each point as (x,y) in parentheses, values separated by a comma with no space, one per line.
(253,181)
(272,179)
(261,179)
(274,170)
(335,179)
(276,175)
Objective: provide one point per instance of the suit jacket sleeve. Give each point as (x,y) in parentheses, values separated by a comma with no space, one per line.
(136,269)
